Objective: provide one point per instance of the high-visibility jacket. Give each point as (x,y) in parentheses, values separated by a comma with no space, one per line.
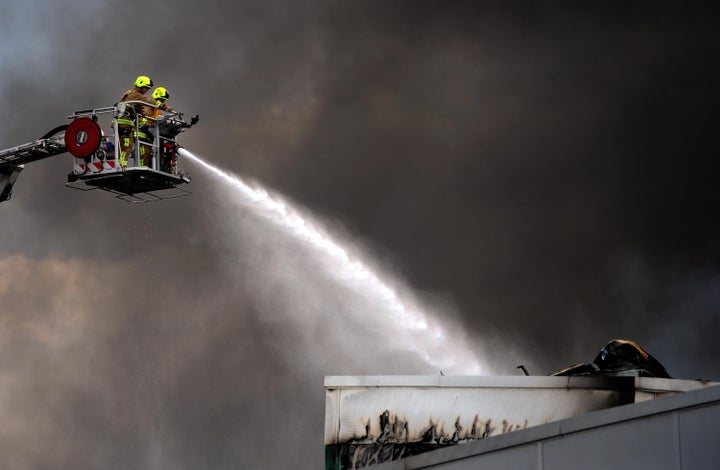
(141,111)
(155,113)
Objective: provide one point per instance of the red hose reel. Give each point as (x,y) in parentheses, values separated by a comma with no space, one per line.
(82,137)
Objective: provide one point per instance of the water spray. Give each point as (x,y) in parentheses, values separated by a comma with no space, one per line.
(424,338)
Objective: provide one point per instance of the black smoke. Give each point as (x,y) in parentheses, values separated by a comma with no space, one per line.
(547,173)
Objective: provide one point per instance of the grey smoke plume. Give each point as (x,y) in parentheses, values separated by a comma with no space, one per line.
(545,176)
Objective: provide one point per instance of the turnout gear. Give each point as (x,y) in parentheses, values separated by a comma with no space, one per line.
(167,150)
(136,95)
(127,122)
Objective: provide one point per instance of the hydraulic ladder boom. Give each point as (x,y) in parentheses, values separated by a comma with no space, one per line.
(12,160)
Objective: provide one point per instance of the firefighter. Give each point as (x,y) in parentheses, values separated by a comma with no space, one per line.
(160,95)
(134,112)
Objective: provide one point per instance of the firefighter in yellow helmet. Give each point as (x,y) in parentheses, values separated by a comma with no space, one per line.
(160,95)
(135,115)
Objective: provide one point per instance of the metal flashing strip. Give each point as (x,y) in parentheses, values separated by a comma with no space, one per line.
(449,381)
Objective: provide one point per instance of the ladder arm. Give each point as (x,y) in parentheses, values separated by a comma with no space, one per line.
(13,159)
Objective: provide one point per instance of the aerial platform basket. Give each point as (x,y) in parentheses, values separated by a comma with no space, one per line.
(97,162)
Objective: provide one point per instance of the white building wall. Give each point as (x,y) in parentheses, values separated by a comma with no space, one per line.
(675,432)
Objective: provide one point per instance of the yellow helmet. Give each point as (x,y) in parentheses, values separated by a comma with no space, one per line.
(143,81)
(160,93)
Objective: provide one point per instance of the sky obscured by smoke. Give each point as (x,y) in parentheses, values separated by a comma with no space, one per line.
(543,179)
